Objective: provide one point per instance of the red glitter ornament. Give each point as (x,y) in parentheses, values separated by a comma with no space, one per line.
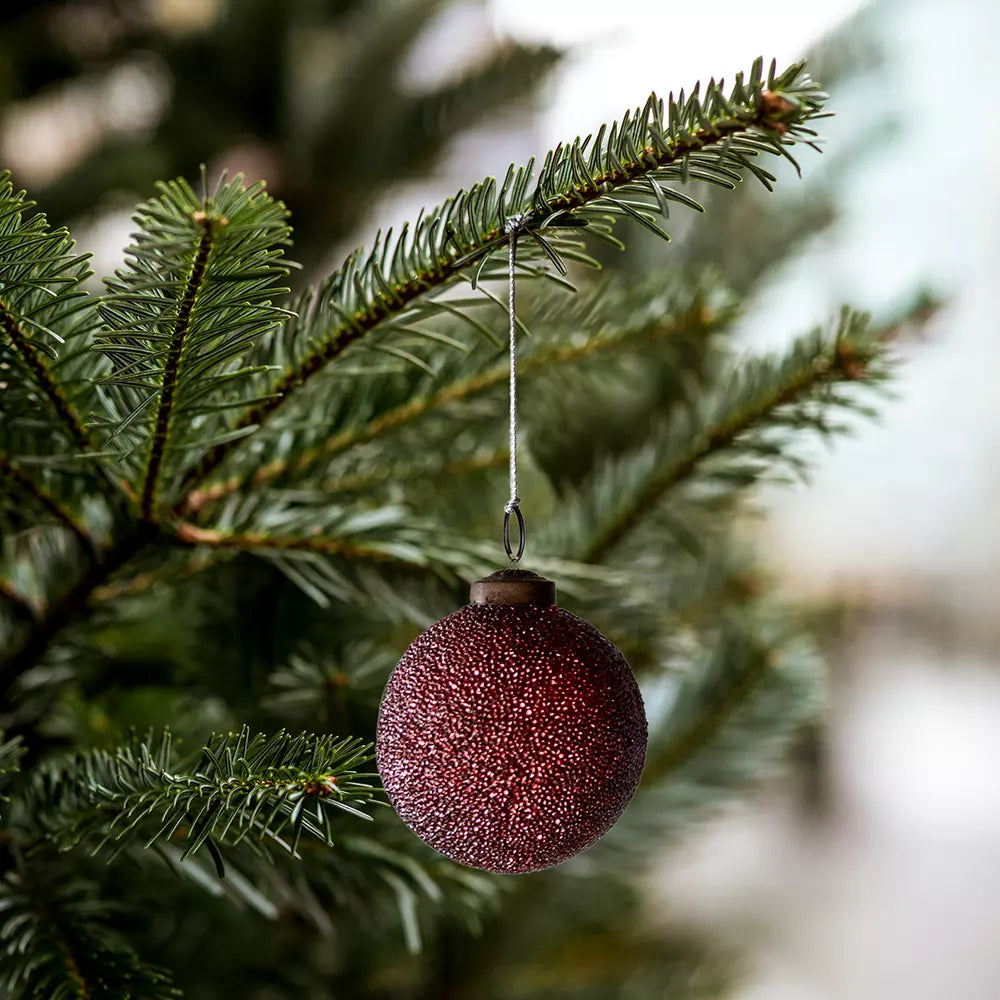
(512,733)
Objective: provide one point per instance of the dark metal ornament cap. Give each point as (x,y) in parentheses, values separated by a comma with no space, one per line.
(513,586)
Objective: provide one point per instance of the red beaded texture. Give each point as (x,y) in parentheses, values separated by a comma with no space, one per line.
(511,737)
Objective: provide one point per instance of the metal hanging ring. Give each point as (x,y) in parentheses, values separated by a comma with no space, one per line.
(516,511)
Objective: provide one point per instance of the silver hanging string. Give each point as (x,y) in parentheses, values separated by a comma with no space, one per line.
(513,227)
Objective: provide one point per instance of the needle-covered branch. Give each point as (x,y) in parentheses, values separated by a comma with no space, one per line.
(323,547)
(11,752)
(26,649)
(189,534)
(627,171)
(624,319)
(45,323)
(262,790)
(743,420)
(27,489)
(180,319)
(57,941)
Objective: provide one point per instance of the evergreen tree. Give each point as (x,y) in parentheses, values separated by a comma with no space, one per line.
(229,509)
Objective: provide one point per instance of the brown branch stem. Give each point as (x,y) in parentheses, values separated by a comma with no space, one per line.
(17,601)
(189,534)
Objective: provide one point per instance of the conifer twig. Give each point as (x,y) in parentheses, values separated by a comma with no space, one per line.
(34,362)
(179,320)
(14,474)
(162,422)
(460,467)
(189,534)
(566,185)
(58,941)
(241,788)
(706,725)
(699,319)
(844,362)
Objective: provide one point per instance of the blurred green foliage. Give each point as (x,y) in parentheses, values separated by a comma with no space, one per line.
(283,91)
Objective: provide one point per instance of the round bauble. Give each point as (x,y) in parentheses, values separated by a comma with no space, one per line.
(512,733)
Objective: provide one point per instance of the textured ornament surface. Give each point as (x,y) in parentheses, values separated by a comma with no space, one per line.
(511,738)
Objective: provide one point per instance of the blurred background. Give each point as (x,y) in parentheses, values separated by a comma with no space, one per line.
(873,872)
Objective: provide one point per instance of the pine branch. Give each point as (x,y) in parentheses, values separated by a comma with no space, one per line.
(762,396)
(759,687)
(57,943)
(39,370)
(684,313)
(31,489)
(510,73)
(315,685)
(746,668)
(214,548)
(716,140)
(11,752)
(168,572)
(311,535)
(164,412)
(307,528)
(384,878)
(41,304)
(733,717)
(189,534)
(322,558)
(429,469)
(24,654)
(181,318)
(243,788)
